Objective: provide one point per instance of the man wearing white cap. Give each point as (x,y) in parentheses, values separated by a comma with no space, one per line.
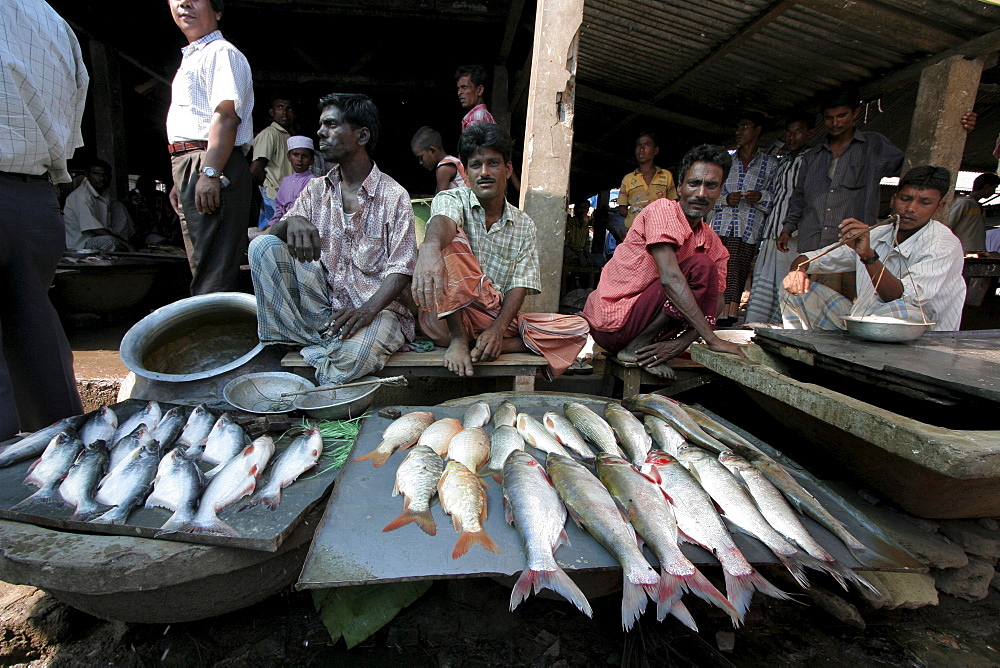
(301,154)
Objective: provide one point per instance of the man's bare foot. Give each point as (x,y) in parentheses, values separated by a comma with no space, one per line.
(627,356)
(661,371)
(457,358)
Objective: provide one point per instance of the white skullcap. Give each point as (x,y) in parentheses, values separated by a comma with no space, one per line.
(299,141)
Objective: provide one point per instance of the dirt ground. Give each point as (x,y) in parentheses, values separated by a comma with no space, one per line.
(466,623)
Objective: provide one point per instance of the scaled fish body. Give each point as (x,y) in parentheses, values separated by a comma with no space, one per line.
(664,436)
(593,427)
(471,447)
(128,486)
(417,480)
(535,435)
(673,413)
(300,456)
(177,486)
(197,428)
(462,497)
(438,436)
(563,430)
(399,435)
(505,414)
(631,434)
(592,507)
(503,441)
(34,444)
(150,416)
(100,427)
(80,485)
(476,415)
(532,504)
(48,471)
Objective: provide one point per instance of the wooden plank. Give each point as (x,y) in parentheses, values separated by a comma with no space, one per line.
(435,358)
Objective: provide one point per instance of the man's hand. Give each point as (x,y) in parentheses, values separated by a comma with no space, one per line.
(347,322)
(661,352)
(488,346)
(207,194)
(796,282)
(302,239)
(969,121)
(174,198)
(782,241)
(852,227)
(733,199)
(428,278)
(752,196)
(722,346)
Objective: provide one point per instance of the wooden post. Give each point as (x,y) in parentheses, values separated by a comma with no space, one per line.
(109,122)
(947,91)
(548,138)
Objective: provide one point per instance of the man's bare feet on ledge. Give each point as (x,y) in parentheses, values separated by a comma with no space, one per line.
(457,358)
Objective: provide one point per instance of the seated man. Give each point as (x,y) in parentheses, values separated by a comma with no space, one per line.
(478,262)
(329,274)
(300,155)
(427,149)
(93,219)
(910,270)
(661,288)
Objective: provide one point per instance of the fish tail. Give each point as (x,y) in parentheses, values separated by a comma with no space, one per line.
(213,526)
(843,575)
(745,584)
(557,580)
(423,519)
(177,522)
(47,495)
(681,613)
(794,563)
(117,515)
(701,587)
(470,538)
(376,457)
(670,589)
(85,513)
(633,602)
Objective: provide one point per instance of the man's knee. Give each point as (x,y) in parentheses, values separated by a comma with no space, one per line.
(263,244)
(700,269)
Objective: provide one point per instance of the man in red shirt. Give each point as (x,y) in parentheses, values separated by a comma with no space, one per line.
(660,290)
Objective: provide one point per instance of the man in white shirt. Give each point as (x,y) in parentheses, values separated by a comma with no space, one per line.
(43,88)
(910,270)
(209,131)
(93,219)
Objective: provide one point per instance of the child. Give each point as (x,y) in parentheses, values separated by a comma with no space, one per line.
(426,145)
(301,155)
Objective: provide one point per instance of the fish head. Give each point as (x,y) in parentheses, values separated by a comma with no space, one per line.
(554,459)
(660,458)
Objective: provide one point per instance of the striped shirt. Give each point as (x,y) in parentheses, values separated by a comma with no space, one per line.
(632,268)
(478,114)
(820,203)
(744,220)
(507,252)
(460,178)
(929,264)
(781,186)
(361,250)
(212,71)
(43,90)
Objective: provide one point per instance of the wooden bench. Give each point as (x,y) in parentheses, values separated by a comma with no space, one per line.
(520,366)
(689,375)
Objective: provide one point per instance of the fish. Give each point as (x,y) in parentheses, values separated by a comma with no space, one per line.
(593,427)
(177,486)
(417,480)
(471,447)
(169,428)
(126,445)
(591,506)
(505,414)
(503,441)
(673,413)
(47,472)
(129,485)
(664,436)
(476,415)
(535,435)
(100,427)
(438,436)
(149,415)
(224,442)
(80,484)
(563,430)
(463,497)
(699,523)
(34,444)
(197,428)
(647,508)
(630,432)
(399,435)
(237,479)
(301,455)
(532,505)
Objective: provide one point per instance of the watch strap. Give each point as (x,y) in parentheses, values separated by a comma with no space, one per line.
(873,258)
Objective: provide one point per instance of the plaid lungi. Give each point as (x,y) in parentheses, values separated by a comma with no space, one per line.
(292,307)
(822,308)
(741,256)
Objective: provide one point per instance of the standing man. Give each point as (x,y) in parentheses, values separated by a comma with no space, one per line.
(269,164)
(43,89)
(739,218)
(770,268)
(209,131)
(471,83)
(93,219)
(661,288)
(647,183)
(966,218)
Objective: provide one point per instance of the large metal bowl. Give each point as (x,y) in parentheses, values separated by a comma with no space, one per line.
(261,392)
(346,403)
(884,329)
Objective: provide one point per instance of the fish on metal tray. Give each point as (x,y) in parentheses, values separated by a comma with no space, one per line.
(127,444)
(197,428)
(438,436)
(673,413)
(417,480)
(129,485)
(470,446)
(80,485)
(591,506)
(100,427)
(532,505)
(476,415)
(47,472)
(177,485)
(169,428)
(300,456)
(149,415)
(664,436)
(463,497)
(563,431)
(593,427)
(535,435)
(505,414)
(630,432)
(399,435)
(32,445)
(503,441)
(226,440)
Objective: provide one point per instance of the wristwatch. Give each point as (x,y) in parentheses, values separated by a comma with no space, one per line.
(873,258)
(211,172)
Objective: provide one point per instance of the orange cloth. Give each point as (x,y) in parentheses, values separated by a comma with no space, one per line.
(557,338)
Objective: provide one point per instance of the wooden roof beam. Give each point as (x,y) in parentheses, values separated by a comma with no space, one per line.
(647,109)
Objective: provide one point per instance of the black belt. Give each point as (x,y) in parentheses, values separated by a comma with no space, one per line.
(14,176)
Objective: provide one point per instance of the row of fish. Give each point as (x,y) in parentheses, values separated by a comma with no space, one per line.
(104,470)
(659,497)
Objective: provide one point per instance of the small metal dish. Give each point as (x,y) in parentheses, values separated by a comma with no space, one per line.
(261,392)
(884,329)
(345,403)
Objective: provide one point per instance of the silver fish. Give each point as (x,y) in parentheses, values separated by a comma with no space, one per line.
(225,441)
(503,441)
(48,471)
(476,415)
(593,427)
(417,480)
(666,437)
(505,414)
(80,485)
(563,430)
(34,444)
(128,486)
(127,444)
(150,416)
(177,486)
(100,427)
(631,434)
(300,456)
(169,428)
(197,428)
(535,435)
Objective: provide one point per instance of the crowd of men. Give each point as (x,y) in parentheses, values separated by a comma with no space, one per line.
(339,249)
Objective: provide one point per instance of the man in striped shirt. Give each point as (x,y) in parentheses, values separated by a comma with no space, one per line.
(661,288)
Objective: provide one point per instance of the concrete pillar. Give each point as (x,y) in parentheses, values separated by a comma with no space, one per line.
(548,138)
(109,122)
(947,91)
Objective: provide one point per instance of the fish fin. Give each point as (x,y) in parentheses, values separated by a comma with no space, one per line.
(395,488)
(376,457)
(470,538)
(498,477)
(633,602)
(86,515)
(116,515)
(757,581)
(739,591)
(272,501)
(175,523)
(216,526)
(701,587)
(49,496)
(670,590)
(561,539)
(654,475)
(211,473)
(842,574)
(576,518)
(794,565)
(557,581)
(508,512)
(681,613)
(481,475)
(424,520)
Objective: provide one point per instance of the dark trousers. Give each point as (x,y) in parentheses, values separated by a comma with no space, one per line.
(37,384)
(703,279)
(216,243)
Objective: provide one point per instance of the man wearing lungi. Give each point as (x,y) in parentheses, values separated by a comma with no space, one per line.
(478,262)
(330,273)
